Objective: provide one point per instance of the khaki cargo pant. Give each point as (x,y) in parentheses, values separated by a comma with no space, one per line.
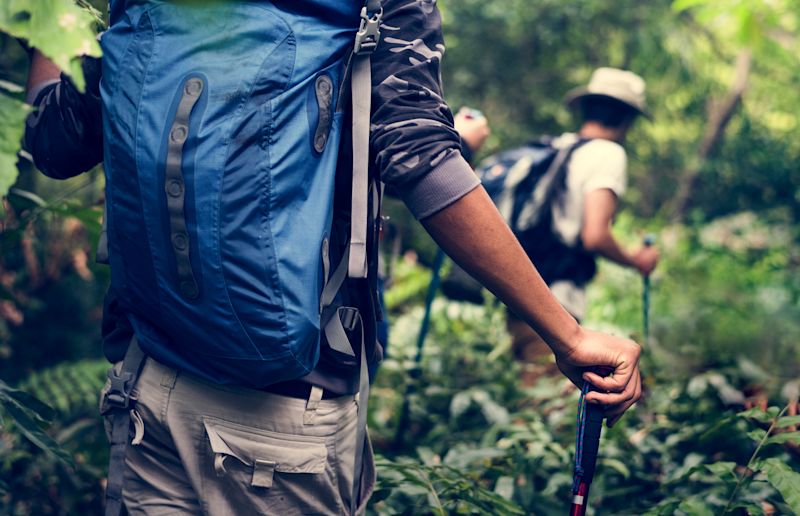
(220,450)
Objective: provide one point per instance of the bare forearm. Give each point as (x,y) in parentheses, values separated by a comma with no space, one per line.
(473,233)
(607,247)
(42,71)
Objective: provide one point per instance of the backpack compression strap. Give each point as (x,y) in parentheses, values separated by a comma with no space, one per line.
(367,38)
(119,404)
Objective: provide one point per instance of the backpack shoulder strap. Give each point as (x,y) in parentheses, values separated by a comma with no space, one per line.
(367,39)
(545,191)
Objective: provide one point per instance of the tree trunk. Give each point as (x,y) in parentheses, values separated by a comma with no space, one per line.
(720,114)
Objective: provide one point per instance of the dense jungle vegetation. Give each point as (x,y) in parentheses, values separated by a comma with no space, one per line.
(715,176)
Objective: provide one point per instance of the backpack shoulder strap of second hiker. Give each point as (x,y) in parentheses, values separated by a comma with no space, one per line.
(545,191)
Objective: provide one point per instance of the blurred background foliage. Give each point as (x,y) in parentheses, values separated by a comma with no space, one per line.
(715,175)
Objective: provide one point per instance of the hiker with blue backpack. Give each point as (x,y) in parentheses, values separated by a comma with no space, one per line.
(244,148)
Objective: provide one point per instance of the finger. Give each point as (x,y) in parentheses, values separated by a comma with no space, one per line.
(614,383)
(611,399)
(615,415)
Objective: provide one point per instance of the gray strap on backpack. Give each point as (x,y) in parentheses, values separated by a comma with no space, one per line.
(367,39)
(336,321)
(545,190)
(119,403)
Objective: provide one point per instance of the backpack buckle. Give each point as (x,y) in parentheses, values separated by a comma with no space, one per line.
(369,32)
(118,396)
(349,317)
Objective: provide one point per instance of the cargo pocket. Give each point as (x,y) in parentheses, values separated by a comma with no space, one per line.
(271,472)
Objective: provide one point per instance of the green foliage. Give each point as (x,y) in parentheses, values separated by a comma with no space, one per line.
(515,60)
(726,298)
(67,479)
(60,29)
(28,415)
(70,388)
(723,293)
(687,449)
(13,113)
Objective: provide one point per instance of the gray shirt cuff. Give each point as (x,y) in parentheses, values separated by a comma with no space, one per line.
(448,182)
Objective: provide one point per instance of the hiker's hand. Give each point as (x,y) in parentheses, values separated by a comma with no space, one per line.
(645,260)
(474,130)
(618,391)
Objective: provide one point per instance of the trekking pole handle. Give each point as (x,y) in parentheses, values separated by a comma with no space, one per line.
(594,422)
(590,444)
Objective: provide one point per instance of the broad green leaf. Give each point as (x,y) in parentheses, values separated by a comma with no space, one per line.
(617,465)
(42,410)
(757,434)
(750,508)
(460,403)
(788,421)
(784,438)
(760,415)
(695,507)
(58,28)
(30,429)
(785,480)
(12,113)
(505,487)
(723,470)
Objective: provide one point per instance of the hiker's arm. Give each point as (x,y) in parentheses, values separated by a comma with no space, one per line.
(417,152)
(64,134)
(414,144)
(42,72)
(598,216)
(473,233)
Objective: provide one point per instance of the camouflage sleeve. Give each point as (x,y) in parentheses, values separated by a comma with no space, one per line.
(416,148)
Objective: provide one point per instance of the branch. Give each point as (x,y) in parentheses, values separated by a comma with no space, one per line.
(720,114)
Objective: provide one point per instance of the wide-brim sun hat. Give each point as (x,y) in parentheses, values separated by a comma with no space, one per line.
(620,85)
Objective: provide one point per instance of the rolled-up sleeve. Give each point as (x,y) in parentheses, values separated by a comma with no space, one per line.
(415,146)
(64,134)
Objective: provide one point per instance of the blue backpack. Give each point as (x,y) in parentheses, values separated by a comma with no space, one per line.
(223,123)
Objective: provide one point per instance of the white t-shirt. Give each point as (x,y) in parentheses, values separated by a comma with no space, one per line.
(595,165)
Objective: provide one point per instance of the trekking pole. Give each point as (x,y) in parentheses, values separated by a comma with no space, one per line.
(649,240)
(414,373)
(587,443)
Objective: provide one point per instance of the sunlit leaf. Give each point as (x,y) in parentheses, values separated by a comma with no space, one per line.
(723,470)
(784,437)
(788,421)
(785,480)
(58,28)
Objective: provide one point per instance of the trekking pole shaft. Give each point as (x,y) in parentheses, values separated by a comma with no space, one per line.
(649,240)
(432,289)
(402,422)
(590,445)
